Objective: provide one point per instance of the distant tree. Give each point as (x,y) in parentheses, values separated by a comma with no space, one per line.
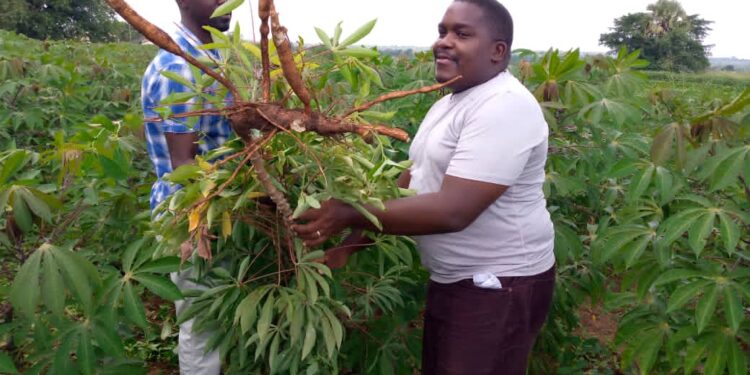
(728,68)
(61,19)
(667,36)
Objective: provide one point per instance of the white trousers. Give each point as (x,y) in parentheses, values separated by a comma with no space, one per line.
(191,347)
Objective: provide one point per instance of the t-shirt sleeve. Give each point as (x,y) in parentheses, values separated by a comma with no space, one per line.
(496,138)
(161,87)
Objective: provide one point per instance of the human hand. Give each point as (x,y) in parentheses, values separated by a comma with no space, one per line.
(337,257)
(318,225)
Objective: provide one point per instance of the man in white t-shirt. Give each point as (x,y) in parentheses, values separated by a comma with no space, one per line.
(479,216)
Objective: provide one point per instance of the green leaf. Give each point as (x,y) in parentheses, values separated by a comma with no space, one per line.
(676,225)
(358,52)
(295,328)
(24,293)
(37,205)
(6,364)
(694,353)
(717,360)
(727,172)
(661,150)
(675,275)
(328,338)
(13,163)
(227,8)
(184,173)
(177,78)
(324,38)
(649,349)
(337,34)
(21,213)
(685,293)
(730,232)
(611,243)
(160,286)
(733,309)
(706,307)
(130,253)
(310,336)
(108,340)
(133,307)
(640,183)
(737,359)
(359,34)
(86,356)
(372,218)
(700,231)
(161,265)
(74,272)
(266,315)
(633,251)
(53,292)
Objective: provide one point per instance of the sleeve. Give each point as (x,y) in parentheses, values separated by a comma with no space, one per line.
(496,139)
(161,87)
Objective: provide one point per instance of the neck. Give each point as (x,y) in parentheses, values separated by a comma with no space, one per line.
(482,81)
(197,30)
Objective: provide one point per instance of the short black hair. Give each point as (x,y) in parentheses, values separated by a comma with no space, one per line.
(497,17)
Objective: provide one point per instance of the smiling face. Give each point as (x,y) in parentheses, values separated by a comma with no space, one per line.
(197,13)
(468,47)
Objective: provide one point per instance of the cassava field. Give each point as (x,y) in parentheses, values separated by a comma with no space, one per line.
(648,182)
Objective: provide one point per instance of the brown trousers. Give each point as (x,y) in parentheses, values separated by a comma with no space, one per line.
(474,331)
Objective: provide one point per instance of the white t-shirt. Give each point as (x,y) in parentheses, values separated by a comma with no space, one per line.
(495,133)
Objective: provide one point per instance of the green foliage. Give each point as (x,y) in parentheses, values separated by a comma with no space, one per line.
(63,19)
(647,184)
(668,37)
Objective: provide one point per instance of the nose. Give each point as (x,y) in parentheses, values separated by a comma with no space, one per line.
(443,42)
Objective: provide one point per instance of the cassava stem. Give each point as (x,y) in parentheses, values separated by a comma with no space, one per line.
(286,57)
(401,94)
(264,10)
(163,40)
(276,196)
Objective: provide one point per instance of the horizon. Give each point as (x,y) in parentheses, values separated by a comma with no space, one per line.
(564,26)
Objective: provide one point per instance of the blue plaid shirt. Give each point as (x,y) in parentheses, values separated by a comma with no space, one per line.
(214,130)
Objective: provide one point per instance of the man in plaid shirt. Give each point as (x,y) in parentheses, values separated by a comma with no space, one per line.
(174,142)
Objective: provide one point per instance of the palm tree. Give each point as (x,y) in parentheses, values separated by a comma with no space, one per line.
(667,15)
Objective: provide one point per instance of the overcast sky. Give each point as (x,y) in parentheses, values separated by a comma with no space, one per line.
(539,24)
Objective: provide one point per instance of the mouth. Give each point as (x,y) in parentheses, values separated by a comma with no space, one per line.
(442,58)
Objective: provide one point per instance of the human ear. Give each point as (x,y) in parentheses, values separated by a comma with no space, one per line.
(499,51)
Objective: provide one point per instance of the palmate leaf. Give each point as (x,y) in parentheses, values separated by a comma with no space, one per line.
(647,352)
(736,359)
(161,286)
(618,111)
(700,230)
(24,293)
(717,358)
(733,309)
(674,227)
(684,293)
(727,169)
(729,231)
(640,182)
(620,238)
(670,136)
(706,307)
(6,364)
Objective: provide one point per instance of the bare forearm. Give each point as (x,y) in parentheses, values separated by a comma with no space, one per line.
(413,216)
